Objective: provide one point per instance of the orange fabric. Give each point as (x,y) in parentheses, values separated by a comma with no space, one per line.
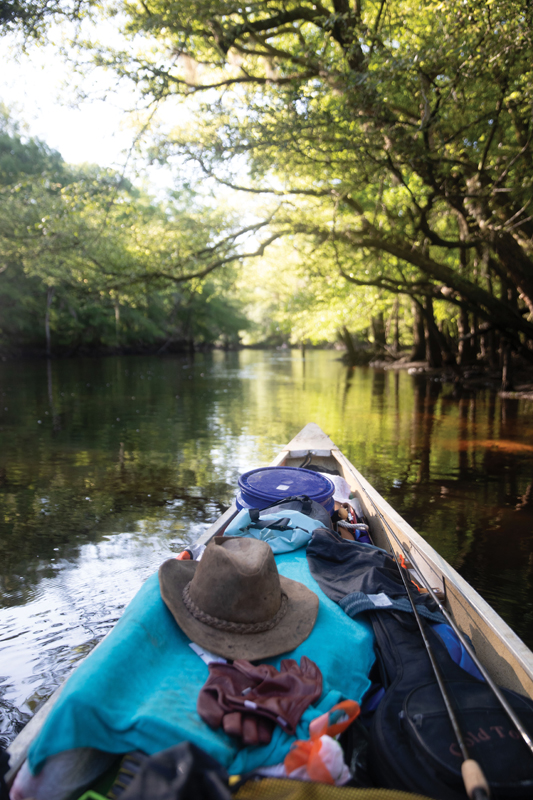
(298,755)
(306,753)
(316,769)
(321,725)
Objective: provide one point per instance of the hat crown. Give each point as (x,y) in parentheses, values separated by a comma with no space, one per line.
(237,580)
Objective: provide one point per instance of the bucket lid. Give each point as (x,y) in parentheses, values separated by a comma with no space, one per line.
(275,483)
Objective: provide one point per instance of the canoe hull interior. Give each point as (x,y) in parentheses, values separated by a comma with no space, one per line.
(504,655)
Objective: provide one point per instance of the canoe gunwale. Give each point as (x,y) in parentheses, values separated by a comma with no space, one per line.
(507,658)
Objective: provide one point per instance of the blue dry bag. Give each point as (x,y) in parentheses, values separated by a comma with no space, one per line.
(283,530)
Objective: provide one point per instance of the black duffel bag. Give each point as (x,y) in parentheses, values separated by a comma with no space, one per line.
(412,743)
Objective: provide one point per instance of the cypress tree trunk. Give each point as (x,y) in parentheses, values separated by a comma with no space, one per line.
(49,298)
(433,345)
(346,337)
(396,327)
(378,329)
(117,322)
(494,343)
(475,340)
(418,353)
(507,366)
(465,356)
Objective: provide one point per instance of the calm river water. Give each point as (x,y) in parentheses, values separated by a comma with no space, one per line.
(107,466)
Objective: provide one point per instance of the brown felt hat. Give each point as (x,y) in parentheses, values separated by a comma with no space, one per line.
(234,603)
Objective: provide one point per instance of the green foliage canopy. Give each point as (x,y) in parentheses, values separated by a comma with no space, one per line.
(33,18)
(104,264)
(396,132)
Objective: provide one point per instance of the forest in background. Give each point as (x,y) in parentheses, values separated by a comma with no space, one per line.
(92,264)
(382,151)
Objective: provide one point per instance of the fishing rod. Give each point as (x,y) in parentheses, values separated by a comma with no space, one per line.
(474,780)
(509,710)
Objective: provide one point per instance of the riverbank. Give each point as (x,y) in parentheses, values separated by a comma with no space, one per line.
(471,377)
(174,348)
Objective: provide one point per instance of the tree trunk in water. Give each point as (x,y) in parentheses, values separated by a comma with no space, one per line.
(465,347)
(475,342)
(346,337)
(507,367)
(489,347)
(447,337)
(396,327)
(378,329)
(494,343)
(117,322)
(418,353)
(433,345)
(49,298)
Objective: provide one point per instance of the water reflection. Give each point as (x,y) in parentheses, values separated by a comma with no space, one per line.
(107,466)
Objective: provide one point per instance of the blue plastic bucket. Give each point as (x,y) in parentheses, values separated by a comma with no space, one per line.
(263,487)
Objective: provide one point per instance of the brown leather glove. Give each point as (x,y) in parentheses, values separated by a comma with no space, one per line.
(248,700)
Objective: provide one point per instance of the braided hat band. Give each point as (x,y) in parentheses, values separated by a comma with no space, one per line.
(233,627)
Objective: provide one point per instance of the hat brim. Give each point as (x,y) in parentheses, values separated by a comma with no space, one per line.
(294,627)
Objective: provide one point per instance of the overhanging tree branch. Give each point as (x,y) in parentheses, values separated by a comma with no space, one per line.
(150,274)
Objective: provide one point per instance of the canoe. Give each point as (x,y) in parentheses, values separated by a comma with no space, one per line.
(505,657)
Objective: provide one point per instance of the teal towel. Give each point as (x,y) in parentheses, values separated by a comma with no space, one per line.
(137,690)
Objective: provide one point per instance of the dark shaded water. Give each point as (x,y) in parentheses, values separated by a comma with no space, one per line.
(108,466)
